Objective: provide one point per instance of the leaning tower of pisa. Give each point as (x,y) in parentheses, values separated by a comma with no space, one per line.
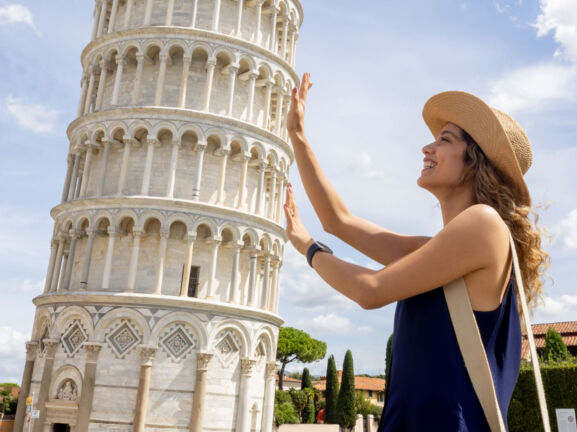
(160,305)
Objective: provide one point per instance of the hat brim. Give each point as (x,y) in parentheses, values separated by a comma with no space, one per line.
(475,117)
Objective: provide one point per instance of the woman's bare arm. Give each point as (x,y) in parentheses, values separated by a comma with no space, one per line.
(382,245)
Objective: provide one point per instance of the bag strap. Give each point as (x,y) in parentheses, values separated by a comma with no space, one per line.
(474,355)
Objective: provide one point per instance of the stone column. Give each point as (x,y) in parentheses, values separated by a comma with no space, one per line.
(292,47)
(88,100)
(133,266)
(70,263)
(273,41)
(160,79)
(285,108)
(147,354)
(212,273)
(73,177)
(31,348)
(265,282)
(232,70)
(68,179)
(57,263)
(250,104)
(256,38)
(275,262)
(234,293)
(210,65)
(252,278)
(103,167)
(285,23)
(242,184)
(187,263)
(101,85)
(200,147)
(50,270)
(359,424)
(104,6)
(215,15)
(161,257)
(87,258)
(83,92)
(51,346)
(194,11)
(147,12)
(88,381)
(242,414)
(96,15)
(271,206)
(128,13)
(137,78)
(221,176)
(118,79)
(260,189)
(87,165)
(370,423)
(113,12)
(184,81)
(202,363)
(172,170)
(239,7)
(60,286)
(124,165)
(109,254)
(280,199)
(169,12)
(268,403)
(151,142)
(279,102)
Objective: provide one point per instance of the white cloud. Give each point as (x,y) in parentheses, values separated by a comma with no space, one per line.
(17,14)
(560,18)
(535,87)
(566,231)
(12,354)
(555,309)
(332,323)
(32,117)
(25,286)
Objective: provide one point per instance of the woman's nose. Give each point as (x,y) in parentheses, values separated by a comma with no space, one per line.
(428,149)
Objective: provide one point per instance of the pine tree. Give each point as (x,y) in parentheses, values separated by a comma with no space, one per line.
(306,380)
(555,348)
(347,416)
(332,392)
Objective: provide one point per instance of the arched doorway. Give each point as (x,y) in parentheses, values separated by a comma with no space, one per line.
(61,427)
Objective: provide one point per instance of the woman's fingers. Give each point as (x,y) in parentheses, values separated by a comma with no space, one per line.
(305,86)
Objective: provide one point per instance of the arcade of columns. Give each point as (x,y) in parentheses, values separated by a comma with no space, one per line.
(161,296)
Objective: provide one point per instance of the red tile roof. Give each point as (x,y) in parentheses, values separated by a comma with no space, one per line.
(361,383)
(568,331)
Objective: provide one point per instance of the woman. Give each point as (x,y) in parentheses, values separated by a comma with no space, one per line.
(475,168)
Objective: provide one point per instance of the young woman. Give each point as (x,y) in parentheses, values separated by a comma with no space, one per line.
(474,167)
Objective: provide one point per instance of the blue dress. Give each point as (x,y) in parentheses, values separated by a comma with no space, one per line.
(429,388)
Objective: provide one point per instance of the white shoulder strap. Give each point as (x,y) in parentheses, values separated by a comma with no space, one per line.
(471,346)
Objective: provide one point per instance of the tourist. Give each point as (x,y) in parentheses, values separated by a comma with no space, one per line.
(474,167)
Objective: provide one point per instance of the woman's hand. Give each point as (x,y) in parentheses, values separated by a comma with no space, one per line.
(296,231)
(296,114)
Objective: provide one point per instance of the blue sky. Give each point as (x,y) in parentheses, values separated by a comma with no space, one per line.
(373,64)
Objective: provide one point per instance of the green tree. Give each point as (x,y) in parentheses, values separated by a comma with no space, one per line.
(388,361)
(306,380)
(346,402)
(332,392)
(300,400)
(297,345)
(555,348)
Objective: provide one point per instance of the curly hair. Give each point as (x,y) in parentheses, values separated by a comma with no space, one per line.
(491,188)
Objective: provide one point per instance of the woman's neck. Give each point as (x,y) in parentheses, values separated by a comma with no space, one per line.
(454,203)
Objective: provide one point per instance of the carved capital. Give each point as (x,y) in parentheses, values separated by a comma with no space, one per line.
(51,345)
(164,233)
(112,231)
(202,361)
(271,370)
(92,350)
(147,354)
(137,232)
(247,366)
(31,348)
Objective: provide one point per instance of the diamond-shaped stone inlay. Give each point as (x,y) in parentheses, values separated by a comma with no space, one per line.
(123,339)
(178,343)
(73,338)
(227,348)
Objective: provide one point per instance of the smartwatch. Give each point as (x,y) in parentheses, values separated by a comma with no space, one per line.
(314,248)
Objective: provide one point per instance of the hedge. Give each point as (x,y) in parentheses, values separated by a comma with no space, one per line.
(560,382)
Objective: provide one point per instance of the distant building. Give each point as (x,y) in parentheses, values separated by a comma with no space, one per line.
(567,329)
(289,383)
(372,388)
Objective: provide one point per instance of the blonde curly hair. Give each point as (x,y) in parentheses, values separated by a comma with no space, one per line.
(491,188)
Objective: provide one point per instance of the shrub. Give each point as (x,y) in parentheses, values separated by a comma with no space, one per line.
(285,413)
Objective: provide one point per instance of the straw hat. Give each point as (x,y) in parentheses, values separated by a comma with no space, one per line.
(500,137)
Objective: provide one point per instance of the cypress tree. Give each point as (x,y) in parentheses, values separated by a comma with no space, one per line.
(555,348)
(306,380)
(347,416)
(388,363)
(332,392)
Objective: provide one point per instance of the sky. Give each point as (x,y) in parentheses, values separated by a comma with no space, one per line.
(374,63)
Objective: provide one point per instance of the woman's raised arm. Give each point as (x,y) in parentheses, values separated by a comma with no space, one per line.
(382,245)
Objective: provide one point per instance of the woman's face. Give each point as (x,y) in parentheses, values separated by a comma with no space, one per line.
(444,161)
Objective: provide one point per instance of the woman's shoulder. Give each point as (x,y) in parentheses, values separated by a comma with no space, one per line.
(482,216)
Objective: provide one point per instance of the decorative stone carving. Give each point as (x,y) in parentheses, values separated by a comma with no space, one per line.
(147,354)
(92,350)
(247,366)
(123,339)
(271,370)
(31,349)
(227,348)
(202,361)
(67,391)
(178,343)
(73,338)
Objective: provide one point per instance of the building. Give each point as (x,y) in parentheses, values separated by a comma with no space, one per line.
(288,383)
(161,298)
(372,388)
(568,331)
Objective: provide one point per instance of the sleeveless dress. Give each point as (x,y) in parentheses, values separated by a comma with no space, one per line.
(429,388)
